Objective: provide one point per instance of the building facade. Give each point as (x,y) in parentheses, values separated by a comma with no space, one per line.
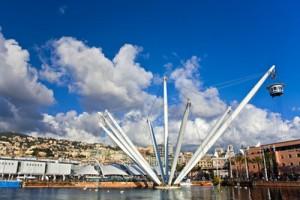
(273,161)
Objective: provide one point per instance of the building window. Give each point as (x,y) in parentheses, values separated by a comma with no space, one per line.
(281,157)
(290,155)
(292,164)
(283,164)
(298,155)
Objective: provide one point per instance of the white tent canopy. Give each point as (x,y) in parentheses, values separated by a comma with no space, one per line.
(108,170)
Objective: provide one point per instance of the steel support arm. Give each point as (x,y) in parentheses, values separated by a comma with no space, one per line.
(205,147)
(134,150)
(155,150)
(114,138)
(125,147)
(210,134)
(179,140)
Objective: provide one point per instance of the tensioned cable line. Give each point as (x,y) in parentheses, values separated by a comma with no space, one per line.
(221,85)
(154,101)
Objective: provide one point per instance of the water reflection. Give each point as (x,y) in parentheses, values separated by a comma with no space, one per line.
(207,193)
(262,193)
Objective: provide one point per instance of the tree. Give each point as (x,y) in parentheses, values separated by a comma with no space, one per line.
(239,159)
(258,161)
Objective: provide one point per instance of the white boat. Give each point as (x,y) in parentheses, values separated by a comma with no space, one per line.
(187,183)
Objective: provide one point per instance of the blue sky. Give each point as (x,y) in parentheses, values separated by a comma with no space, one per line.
(233,39)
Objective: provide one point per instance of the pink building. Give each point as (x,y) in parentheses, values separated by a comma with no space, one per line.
(282,160)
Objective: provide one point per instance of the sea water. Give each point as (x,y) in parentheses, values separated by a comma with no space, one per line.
(185,193)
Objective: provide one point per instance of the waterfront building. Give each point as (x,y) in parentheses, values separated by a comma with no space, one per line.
(135,170)
(8,167)
(161,150)
(230,151)
(58,170)
(113,170)
(84,170)
(151,159)
(219,151)
(30,168)
(220,166)
(282,159)
(184,158)
(206,163)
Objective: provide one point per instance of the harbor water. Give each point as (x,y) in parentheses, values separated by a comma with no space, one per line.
(195,192)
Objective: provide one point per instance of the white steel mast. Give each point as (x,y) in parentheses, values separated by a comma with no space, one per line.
(179,140)
(157,155)
(166,131)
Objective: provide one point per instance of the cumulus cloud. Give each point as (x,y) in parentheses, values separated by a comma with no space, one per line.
(73,126)
(259,125)
(52,76)
(20,91)
(101,82)
(18,80)
(206,101)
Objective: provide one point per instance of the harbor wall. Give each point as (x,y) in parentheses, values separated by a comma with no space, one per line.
(85,184)
(277,183)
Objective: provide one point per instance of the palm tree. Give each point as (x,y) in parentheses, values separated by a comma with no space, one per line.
(239,160)
(258,161)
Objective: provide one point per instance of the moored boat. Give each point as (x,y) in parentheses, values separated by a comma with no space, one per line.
(10,184)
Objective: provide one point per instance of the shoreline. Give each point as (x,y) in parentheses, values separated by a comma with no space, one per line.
(276,184)
(95,185)
(149,184)
(86,184)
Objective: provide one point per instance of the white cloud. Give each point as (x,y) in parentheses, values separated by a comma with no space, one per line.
(21,94)
(62,9)
(73,126)
(206,101)
(295,109)
(259,125)
(48,73)
(102,83)
(18,80)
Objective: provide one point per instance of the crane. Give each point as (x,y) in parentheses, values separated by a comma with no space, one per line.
(206,145)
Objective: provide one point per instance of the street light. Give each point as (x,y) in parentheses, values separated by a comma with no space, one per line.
(246,163)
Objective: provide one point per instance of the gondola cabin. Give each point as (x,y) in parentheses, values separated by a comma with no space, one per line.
(275,89)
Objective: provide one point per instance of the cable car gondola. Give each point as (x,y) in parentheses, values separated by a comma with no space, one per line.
(276,89)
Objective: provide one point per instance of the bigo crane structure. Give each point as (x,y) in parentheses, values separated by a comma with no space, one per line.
(167,178)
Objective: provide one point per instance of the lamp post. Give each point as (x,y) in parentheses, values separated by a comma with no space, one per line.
(265,166)
(230,167)
(246,163)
